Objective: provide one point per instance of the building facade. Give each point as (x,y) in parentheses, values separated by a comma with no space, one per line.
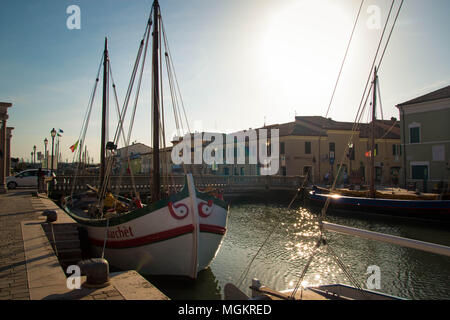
(318,146)
(426,140)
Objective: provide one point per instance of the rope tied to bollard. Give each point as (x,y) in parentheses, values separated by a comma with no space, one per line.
(106,237)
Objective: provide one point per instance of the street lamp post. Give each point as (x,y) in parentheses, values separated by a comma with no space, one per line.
(45,154)
(34,156)
(31,158)
(53,133)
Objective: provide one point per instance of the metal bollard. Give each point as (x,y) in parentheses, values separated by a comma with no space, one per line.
(96,271)
(51,215)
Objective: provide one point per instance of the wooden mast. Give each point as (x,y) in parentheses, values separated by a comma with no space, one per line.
(156,193)
(104,112)
(372,151)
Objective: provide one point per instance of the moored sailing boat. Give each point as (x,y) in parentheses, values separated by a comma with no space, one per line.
(178,233)
(427,207)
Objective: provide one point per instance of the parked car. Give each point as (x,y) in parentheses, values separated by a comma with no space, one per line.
(27,178)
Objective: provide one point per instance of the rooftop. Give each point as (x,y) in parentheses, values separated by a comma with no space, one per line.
(443,93)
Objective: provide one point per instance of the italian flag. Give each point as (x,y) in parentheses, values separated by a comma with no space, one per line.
(74,147)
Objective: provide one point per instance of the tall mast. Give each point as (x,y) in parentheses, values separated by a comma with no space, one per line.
(155,104)
(104,111)
(372,152)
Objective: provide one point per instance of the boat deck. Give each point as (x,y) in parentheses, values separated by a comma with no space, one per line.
(326,292)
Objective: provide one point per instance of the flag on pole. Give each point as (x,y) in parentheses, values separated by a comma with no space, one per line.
(59,135)
(368,154)
(74,147)
(60,130)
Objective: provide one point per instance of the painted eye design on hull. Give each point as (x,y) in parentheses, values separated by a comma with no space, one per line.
(178,211)
(205,209)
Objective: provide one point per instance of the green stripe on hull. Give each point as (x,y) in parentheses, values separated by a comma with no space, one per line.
(183,194)
(206,197)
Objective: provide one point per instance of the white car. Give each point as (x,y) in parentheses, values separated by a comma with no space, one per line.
(27,178)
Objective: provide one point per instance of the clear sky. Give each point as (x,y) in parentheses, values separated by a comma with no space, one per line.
(239,62)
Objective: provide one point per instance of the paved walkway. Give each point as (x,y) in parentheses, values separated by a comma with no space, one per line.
(29,268)
(15,206)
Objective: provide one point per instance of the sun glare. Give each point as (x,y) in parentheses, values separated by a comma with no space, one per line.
(302,50)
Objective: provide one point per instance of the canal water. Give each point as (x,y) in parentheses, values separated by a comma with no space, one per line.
(404,272)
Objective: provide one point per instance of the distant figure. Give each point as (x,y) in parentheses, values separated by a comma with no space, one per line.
(327,177)
(40,176)
(345,176)
(395,178)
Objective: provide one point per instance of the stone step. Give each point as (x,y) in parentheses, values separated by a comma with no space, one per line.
(66,244)
(61,227)
(65,254)
(62,236)
(69,262)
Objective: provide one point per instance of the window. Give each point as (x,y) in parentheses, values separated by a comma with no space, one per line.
(307,147)
(351,153)
(283,171)
(27,174)
(332,151)
(282,148)
(396,150)
(438,153)
(332,147)
(378,174)
(419,172)
(414,133)
(376,149)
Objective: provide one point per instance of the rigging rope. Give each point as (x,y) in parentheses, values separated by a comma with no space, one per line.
(390,34)
(360,111)
(84,127)
(175,92)
(374,59)
(126,143)
(355,126)
(122,115)
(345,58)
(175,76)
(124,111)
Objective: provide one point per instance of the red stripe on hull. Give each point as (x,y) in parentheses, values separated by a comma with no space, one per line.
(157,237)
(212,229)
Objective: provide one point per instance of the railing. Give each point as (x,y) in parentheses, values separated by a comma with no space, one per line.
(230,184)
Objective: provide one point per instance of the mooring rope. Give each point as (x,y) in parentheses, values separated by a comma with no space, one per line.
(106,238)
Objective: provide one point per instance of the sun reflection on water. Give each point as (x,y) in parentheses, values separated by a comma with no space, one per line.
(289,238)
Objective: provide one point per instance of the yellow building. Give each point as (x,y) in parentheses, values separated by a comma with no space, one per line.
(318,146)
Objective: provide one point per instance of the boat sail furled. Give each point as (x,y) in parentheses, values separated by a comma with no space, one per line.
(178,233)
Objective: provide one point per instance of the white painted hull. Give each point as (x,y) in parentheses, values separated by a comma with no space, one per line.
(179,236)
